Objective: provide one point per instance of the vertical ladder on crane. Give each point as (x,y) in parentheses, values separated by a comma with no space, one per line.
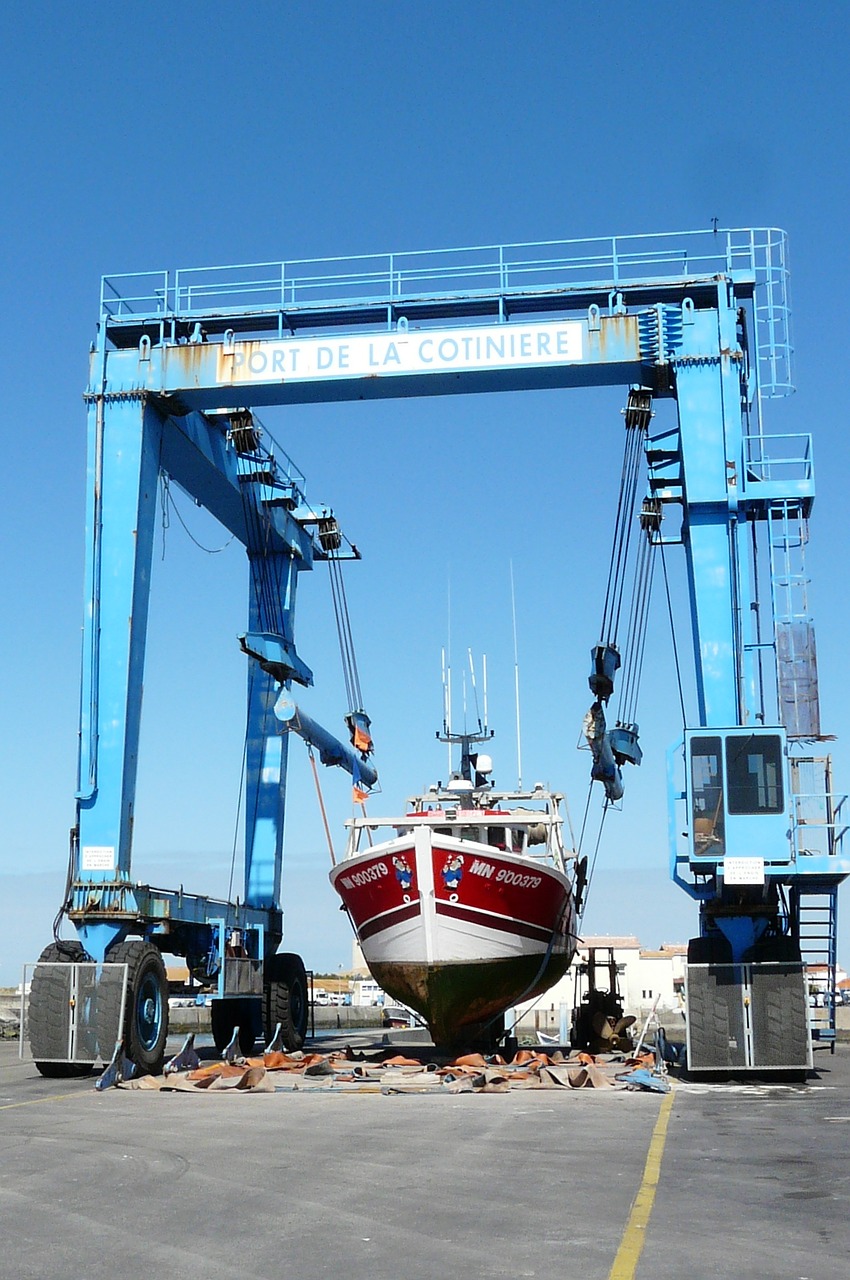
(796,656)
(817,914)
(815,907)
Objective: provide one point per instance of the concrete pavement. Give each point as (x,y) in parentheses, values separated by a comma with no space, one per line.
(754,1182)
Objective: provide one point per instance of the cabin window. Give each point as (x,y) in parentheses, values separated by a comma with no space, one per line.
(470,833)
(754,774)
(707,795)
(516,841)
(496,837)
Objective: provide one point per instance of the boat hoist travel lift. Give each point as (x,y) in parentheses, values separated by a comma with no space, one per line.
(182,363)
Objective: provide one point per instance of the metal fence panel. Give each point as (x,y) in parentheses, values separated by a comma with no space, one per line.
(716,1032)
(748,1017)
(72,1012)
(780,1016)
(243,977)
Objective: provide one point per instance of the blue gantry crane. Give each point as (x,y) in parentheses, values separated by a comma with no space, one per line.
(183,361)
(222,461)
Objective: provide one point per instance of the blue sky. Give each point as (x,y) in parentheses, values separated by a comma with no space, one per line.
(195,134)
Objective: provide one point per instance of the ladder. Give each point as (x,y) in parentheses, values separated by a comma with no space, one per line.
(796,656)
(817,918)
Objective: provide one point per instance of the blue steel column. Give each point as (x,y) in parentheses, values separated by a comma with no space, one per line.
(123,471)
(267,743)
(710,425)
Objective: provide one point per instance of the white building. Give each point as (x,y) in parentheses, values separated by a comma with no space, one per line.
(656,976)
(641,977)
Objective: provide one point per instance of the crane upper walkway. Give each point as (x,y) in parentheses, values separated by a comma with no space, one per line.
(499,281)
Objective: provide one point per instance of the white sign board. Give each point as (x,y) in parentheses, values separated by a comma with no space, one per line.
(98,857)
(743,870)
(403,351)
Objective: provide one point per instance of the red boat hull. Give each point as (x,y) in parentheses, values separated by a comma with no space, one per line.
(457,930)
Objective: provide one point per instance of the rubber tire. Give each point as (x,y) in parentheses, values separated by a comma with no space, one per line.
(286,999)
(715,949)
(228,1014)
(775,950)
(49,1014)
(145,1030)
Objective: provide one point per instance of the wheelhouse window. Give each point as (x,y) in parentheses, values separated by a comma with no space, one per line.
(754,774)
(707,795)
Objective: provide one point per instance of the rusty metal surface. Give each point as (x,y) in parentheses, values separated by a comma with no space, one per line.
(457,999)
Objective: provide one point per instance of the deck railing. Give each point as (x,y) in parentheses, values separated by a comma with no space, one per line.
(609,264)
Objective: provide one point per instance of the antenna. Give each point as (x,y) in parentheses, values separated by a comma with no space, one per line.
(447,704)
(449,668)
(465,737)
(484,682)
(463,700)
(474,687)
(516,686)
(443,679)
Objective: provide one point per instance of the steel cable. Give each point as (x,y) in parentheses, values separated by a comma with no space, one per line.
(592,868)
(638,623)
(673,634)
(621,542)
(342,616)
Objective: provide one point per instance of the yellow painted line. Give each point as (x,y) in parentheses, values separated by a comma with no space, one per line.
(33,1102)
(634,1236)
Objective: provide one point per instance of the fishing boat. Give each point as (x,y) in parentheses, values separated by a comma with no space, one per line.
(465,904)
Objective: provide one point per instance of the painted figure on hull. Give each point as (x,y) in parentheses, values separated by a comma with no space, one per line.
(402,872)
(453,870)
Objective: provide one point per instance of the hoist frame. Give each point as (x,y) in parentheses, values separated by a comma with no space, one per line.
(221,462)
(181,361)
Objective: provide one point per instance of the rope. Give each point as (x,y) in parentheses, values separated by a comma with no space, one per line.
(616,543)
(636,641)
(623,525)
(321,800)
(584,819)
(344,634)
(673,634)
(241,790)
(69,883)
(369,839)
(592,868)
(168,502)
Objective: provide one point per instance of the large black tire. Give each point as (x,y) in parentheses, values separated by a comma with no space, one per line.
(714,949)
(783,950)
(228,1014)
(146,1008)
(50,1013)
(286,1000)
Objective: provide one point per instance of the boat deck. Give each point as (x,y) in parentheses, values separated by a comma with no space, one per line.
(753,1181)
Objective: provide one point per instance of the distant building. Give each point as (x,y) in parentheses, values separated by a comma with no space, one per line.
(656,976)
(642,978)
(359,967)
(818,977)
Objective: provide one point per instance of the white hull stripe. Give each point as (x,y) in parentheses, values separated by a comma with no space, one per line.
(487,920)
(388,919)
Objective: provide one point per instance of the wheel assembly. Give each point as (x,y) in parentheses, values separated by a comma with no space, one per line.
(52,1007)
(145,1008)
(285,999)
